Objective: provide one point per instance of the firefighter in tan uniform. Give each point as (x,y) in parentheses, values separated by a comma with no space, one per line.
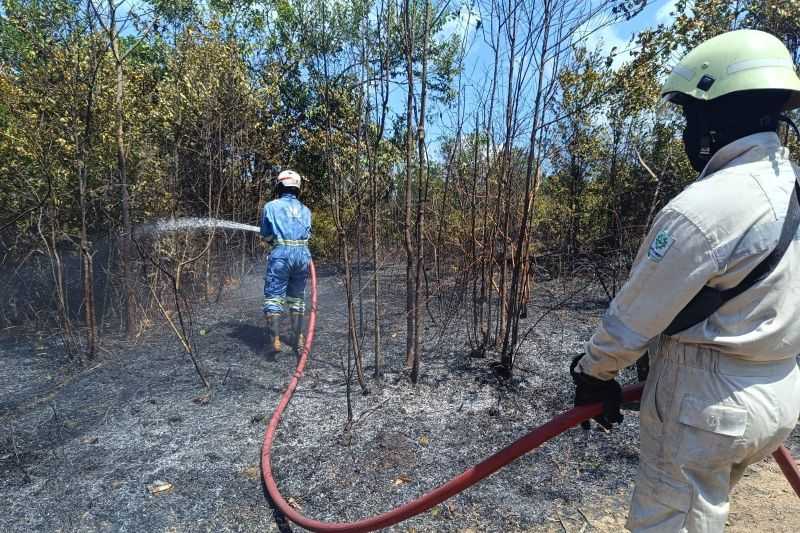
(724,388)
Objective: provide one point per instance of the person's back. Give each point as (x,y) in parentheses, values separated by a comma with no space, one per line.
(287,220)
(740,203)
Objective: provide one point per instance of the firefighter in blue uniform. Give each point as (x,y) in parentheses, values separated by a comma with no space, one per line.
(286,225)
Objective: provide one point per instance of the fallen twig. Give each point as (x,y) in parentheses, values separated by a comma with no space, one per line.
(588,522)
(368,412)
(49,394)
(561,521)
(17,458)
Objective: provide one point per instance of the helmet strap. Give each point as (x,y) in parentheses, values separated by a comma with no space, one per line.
(698,137)
(281,189)
(706,142)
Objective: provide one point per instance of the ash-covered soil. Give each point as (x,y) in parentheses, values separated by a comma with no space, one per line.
(80,447)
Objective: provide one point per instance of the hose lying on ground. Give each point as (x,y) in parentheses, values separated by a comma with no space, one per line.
(469,477)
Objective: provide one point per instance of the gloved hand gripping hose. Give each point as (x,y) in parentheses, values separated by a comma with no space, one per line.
(469,477)
(589,390)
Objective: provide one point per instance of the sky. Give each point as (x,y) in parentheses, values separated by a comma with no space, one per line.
(619,35)
(478,55)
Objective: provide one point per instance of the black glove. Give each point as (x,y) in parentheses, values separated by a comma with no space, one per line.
(589,389)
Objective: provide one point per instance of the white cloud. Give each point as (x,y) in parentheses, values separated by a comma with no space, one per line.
(462,24)
(663,14)
(599,35)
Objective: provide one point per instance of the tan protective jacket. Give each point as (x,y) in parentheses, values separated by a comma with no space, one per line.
(713,233)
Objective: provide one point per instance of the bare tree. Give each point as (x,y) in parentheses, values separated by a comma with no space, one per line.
(408,47)
(83,139)
(372,147)
(113,25)
(422,192)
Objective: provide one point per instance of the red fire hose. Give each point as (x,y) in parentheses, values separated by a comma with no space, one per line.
(469,477)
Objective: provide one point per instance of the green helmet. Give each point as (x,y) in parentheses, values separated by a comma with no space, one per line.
(741,60)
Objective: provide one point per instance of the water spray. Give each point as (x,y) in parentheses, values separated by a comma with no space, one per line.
(192,223)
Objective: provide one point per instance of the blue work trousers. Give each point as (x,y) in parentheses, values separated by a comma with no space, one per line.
(285,279)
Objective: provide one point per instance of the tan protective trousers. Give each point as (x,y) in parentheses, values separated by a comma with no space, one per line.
(705,417)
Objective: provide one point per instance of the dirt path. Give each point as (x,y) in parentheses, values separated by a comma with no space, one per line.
(79,450)
(762,502)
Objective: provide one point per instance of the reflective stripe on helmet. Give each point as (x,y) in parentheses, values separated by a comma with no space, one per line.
(759,63)
(289,178)
(683,72)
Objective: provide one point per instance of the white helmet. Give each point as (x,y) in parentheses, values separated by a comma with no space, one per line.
(289,178)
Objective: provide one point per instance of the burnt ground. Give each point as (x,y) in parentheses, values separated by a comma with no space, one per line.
(80,446)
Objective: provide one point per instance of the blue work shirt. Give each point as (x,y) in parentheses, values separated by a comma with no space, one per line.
(286,221)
